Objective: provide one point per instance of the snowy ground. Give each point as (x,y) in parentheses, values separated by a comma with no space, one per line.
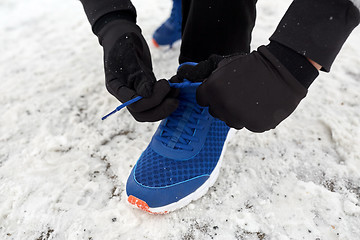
(63,171)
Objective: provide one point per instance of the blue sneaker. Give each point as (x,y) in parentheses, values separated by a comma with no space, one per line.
(182,160)
(170,31)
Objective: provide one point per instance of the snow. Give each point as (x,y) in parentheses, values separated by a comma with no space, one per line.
(63,171)
(356,3)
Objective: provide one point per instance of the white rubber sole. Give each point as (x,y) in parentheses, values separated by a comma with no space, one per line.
(201,191)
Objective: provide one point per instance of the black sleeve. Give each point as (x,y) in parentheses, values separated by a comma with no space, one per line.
(317,29)
(96,10)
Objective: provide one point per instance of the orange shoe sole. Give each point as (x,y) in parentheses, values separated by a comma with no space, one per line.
(155,43)
(142,205)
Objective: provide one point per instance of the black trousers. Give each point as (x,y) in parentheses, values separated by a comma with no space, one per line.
(216,27)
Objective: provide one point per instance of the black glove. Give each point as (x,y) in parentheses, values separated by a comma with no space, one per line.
(128,72)
(202,70)
(254,91)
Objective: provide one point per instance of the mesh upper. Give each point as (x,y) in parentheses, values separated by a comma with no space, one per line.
(153,170)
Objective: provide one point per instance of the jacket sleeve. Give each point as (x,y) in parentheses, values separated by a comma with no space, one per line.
(317,29)
(95,9)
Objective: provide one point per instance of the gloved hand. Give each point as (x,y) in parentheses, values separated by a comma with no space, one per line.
(128,72)
(254,91)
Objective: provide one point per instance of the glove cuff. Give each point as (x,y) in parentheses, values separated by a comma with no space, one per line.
(292,84)
(298,65)
(317,29)
(113,30)
(96,10)
(104,20)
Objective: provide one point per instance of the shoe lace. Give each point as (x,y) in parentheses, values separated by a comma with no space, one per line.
(180,127)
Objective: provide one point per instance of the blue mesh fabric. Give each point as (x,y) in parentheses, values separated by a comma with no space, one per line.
(153,170)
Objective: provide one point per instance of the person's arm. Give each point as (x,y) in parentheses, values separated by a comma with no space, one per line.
(317,29)
(315,64)
(127,60)
(259,90)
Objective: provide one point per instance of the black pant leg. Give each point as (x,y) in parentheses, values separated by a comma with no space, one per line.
(216,27)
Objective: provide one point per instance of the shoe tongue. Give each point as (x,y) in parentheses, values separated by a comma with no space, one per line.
(188,93)
(181,125)
(187,99)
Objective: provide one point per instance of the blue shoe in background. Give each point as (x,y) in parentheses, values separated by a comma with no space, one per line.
(182,160)
(170,31)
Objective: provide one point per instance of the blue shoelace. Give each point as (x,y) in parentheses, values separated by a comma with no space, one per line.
(138,98)
(180,126)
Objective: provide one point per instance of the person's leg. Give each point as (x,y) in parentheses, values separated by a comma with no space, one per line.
(216,27)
